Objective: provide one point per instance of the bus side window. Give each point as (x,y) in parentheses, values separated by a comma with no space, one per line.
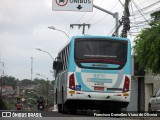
(57,65)
(60,65)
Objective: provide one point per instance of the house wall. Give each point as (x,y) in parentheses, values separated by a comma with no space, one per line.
(152,85)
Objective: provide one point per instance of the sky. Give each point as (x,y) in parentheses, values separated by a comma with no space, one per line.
(24,27)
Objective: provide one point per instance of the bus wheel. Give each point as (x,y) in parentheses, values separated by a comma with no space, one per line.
(73,110)
(56,96)
(64,106)
(103,110)
(60,108)
(65,109)
(118,110)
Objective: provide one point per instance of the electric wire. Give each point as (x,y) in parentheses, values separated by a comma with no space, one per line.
(145,8)
(134,20)
(111,30)
(101,19)
(139,10)
(121,3)
(147,13)
(144,2)
(94,13)
(80,18)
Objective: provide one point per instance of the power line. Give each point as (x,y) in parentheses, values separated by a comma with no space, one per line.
(105,15)
(139,10)
(94,13)
(112,28)
(131,23)
(132,11)
(139,22)
(137,25)
(149,12)
(145,8)
(140,25)
(80,18)
(144,2)
(121,3)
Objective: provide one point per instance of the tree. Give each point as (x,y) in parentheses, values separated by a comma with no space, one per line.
(9,80)
(26,82)
(147,45)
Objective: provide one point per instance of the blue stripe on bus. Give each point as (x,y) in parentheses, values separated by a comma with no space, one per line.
(72,65)
(119,79)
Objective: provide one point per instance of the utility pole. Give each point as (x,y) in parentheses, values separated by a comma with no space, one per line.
(81,25)
(125,19)
(1,78)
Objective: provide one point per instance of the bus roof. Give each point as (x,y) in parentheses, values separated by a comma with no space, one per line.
(96,36)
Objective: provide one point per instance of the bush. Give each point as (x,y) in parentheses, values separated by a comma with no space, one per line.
(2,105)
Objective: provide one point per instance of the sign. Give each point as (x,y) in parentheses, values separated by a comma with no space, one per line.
(78,87)
(72,5)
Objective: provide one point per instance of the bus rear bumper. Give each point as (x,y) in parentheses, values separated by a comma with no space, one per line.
(97,104)
(99,96)
(96,100)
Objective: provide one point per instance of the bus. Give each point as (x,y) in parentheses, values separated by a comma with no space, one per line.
(93,72)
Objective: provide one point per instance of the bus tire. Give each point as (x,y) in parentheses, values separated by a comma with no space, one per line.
(65,109)
(103,110)
(73,110)
(64,106)
(60,108)
(56,96)
(118,110)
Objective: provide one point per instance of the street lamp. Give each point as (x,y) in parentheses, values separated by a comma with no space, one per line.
(53,28)
(42,76)
(45,52)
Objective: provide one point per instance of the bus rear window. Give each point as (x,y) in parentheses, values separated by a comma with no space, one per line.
(101,51)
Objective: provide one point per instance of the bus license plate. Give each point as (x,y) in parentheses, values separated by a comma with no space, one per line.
(99,88)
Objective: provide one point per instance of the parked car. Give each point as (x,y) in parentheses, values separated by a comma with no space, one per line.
(154,103)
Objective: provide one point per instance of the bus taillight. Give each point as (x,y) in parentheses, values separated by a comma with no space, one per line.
(126,84)
(72,82)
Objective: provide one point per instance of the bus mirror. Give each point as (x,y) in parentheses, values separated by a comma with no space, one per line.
(55,65)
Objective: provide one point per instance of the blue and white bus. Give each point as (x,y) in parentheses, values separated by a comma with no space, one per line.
(93,72)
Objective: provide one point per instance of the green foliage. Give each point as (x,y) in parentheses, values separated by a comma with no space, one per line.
(2,105)
(52,82)
(147,45)
(9,80)
(26,82)
(39,81)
